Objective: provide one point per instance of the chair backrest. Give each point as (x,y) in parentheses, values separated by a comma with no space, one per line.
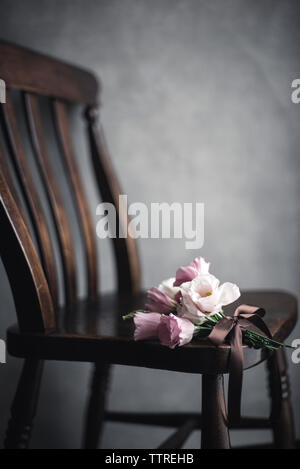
(26,244)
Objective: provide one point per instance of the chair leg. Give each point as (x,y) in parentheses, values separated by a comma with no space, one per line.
(96,406)
(24,406)
(215,433)
(283,425)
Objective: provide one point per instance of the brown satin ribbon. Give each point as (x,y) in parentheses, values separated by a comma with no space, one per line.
(232,327)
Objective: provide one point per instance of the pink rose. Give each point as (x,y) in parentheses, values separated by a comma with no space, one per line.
(185,274)
(173,331)
(146,325)
(204,296)
(162,299)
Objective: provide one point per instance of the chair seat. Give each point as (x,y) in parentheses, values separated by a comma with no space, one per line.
(96,332)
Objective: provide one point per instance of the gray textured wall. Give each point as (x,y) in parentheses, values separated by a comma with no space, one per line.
(196,107)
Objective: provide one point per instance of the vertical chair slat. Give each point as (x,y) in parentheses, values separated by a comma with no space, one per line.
(54,197)
(34,307)
(10,183)
(30,194)
(128,268)
(64,137)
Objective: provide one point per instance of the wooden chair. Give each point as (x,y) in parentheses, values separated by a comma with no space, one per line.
(92,330)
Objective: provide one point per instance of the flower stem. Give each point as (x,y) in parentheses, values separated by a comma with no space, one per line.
(251,338)
(133,313)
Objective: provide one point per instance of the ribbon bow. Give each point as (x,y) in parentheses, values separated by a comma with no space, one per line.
(232,327)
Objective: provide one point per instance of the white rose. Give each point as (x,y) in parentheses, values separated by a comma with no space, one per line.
(167,287)
(204,296)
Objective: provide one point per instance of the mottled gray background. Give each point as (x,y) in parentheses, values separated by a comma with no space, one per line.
(196,107)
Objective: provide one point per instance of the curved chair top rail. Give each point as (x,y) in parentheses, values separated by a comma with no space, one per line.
(48,76)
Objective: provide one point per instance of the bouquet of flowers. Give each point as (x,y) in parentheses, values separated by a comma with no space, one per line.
(190,306)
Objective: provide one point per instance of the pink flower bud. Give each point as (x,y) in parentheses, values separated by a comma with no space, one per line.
(173,331)
(146,325)
(185,274)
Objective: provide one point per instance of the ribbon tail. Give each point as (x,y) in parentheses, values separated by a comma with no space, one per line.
(244,316)
(235,376)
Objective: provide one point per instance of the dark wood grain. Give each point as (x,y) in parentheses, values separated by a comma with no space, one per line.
(283,421)
(26,70)
(127,262)
(24,406)
(102,333)
(34,307)
(86,222)
(95,412)
(52,190)
(30,194)
(215,433)
(6,173)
